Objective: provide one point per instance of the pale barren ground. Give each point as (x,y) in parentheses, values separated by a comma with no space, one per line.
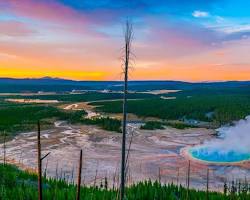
(31,101)
(152,153)
(156,92)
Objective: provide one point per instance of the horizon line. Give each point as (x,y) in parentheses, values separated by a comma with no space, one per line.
(137,80)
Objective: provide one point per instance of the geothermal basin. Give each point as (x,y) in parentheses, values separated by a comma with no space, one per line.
(231,145)
(153,152)
(217,156)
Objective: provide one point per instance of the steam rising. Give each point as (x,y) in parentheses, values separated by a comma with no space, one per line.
(233,144)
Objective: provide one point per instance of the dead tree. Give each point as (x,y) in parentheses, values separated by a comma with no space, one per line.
(178,175)
(72,175)
(207,183)
(39,162)
(159,175)
(128,154)
(96,172)
(188,179)
(126,59)
(79,177)
(4,148)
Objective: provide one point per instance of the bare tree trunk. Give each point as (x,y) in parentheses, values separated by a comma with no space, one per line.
(20,158)
(178,175)
(72,175)
(128,153)
(79,177)
(4,148)
(207,183)
(188,179)
(128,40)
(159,175)
(39,161)
(46,167)
(95,179)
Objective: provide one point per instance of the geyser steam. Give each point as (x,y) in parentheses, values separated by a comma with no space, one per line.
(233,144)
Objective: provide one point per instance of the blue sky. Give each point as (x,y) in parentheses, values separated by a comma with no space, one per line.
(174,39)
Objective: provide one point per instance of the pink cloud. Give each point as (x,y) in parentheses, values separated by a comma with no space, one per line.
(14,28)
(62,17)
(49,11)
(172,41)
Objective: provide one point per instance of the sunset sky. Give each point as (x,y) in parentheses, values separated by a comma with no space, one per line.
(190,40)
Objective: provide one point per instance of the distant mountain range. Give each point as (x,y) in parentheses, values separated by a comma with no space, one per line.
(48,84)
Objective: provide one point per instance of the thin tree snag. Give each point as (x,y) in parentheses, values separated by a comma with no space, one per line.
(207,183)
(128,153)
(79,177)
(178,175)
(188,179)
(159,175)
(4,148)
(39,163)
(128,41)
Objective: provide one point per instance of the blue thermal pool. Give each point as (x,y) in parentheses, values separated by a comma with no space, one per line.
(207,154)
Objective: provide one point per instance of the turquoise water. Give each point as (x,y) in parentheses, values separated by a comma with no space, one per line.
(211,155)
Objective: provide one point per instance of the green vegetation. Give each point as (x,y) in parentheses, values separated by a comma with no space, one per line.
(17,117)
(20,185)
(152,125)
(20,117)
(226,108)
(179,125)
(225,105)
(85,97)
(105,123)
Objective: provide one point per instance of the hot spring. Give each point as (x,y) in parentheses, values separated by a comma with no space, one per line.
(215,155)
(232,145)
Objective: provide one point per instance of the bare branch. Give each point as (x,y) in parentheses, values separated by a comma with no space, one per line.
(45,156)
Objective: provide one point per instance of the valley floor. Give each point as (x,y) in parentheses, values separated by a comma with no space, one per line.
(154,155)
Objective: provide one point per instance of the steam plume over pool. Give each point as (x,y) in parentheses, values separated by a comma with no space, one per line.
(232,145)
